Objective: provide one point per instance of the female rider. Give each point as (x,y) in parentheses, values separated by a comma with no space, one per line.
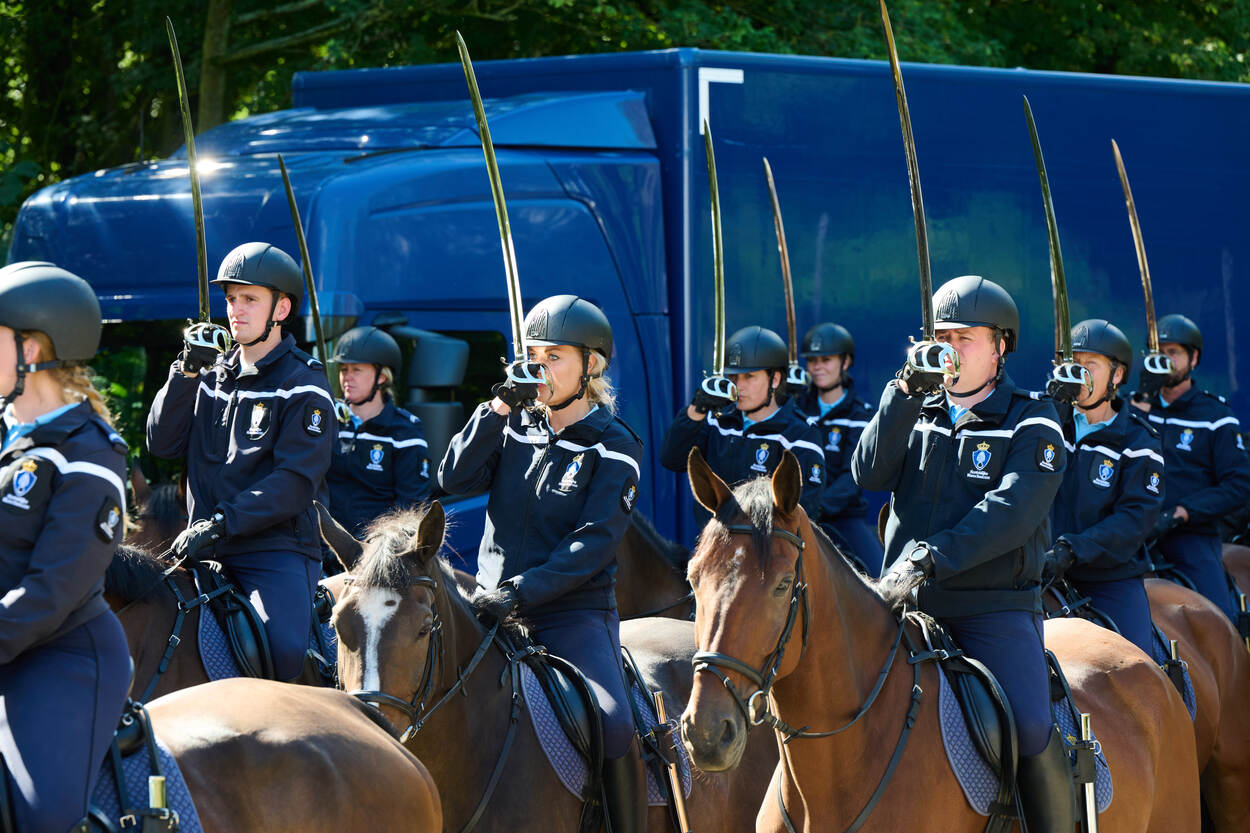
(562,471)
(64,665)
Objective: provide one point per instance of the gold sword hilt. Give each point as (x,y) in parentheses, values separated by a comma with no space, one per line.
(674,777)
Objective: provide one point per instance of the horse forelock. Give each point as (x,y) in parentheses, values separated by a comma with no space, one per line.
(133,573)
(388,537)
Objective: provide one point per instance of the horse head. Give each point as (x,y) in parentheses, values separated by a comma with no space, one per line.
(386,616)
(751,597)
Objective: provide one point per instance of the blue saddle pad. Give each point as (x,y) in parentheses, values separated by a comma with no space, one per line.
(567,762)
(135,770)
(1162,654)
(978,781)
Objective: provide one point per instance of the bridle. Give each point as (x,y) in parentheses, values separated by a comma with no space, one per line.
(713,661)
(757,707)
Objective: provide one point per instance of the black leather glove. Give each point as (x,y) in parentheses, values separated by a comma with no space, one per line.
(798,380)
(495,605)
(1058,559)
(716,394)
(1154,374)
(905,575)
(200,535)
(1068,383)
(519,388)
(1166,523)
(202,344)
(928,363)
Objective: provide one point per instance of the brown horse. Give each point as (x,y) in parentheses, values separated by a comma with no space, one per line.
(1237,565)
(266,757)
(649,580)
(748,574)
(162,513)
(457,700)
(1219,667)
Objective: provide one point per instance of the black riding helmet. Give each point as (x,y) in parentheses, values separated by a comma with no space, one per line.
(1177,329)
(827,339)
(755,348)
(368,345)
(1098,335)
(571,320)
(974,301)
(264,264)
(41,296)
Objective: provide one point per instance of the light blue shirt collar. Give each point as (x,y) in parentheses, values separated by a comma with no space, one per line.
(955,410)
(21,429)
(1084,427)
(826,408)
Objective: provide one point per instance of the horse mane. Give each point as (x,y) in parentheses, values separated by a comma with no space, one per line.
(133,573)
(391,535)
(164,505)
(673,553)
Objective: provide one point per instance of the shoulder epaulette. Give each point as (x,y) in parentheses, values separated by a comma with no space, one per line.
(307,358)
(1221,399)
(1139,416)
(627,427)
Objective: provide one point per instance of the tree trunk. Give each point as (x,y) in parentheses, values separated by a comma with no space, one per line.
(212,70)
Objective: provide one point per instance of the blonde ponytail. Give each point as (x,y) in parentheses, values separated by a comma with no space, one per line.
(74,380)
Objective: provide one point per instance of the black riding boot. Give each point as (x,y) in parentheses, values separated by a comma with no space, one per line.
(625,788)
(1047,792)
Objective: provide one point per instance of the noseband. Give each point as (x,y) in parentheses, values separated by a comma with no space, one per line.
(755,707)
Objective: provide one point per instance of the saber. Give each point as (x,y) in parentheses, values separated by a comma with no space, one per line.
(928,355)
(716,384)
(797,378)
(1068,378)
(197,203)
(1156,364)
(674,778)
(501,207)
(1090,823)
(342,410)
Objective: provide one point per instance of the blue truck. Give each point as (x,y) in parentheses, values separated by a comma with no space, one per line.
(603,165)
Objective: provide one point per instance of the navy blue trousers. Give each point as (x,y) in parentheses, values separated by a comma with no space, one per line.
(1199,555)
(591,640)
(1125,602)
(1009,643)
(856,537)
(280,586)
(59,705)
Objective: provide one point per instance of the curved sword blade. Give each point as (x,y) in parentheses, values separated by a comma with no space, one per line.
(784,252)
(306,263)
(501,207)
(1152,326)
(197,204)
(913,179)
(1058,284)
(718,256)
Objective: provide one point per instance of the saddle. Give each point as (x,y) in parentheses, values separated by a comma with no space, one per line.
(986,712)
(133,734)
(244,629)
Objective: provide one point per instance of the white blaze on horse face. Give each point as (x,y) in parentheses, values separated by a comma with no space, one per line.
(377,605)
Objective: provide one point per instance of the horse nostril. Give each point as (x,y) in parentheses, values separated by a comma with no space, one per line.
(729,733)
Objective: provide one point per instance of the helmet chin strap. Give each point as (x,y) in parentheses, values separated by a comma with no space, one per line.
(1189,351)
(1112,387)
(19,387)
(581,388)
(768,400)
(273,306)
(992,380)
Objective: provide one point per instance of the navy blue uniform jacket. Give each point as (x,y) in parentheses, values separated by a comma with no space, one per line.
(62,505)
(257,446)
(1208,472)
(1111,496)
(840,429)
(380,465)
(559,503)
(737,455)
(978,491)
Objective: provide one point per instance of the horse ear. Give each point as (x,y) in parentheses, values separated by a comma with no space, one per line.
(787,483)
(139,486)
(706,484)
(430,531)
(346,548)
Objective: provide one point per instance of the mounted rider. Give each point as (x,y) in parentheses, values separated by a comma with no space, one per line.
(563,475)
(974,463)
(1112,487)
(64,662)
(832,405)
(257,429)
(1208,473)
(380,462)
(744,438)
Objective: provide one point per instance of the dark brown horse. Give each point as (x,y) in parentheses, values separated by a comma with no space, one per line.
(266,757)
(745,572)
(162,513)
(459,711)
(649,580)
(1237,565)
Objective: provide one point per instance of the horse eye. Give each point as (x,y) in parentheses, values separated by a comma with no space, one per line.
(783,586)
(390,602)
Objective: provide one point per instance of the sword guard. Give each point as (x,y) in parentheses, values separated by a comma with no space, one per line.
(342,412)
(526,373)
(208,335)
(933,357)
(798,380)
(717,394)
(1155,372)
(1067,382)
